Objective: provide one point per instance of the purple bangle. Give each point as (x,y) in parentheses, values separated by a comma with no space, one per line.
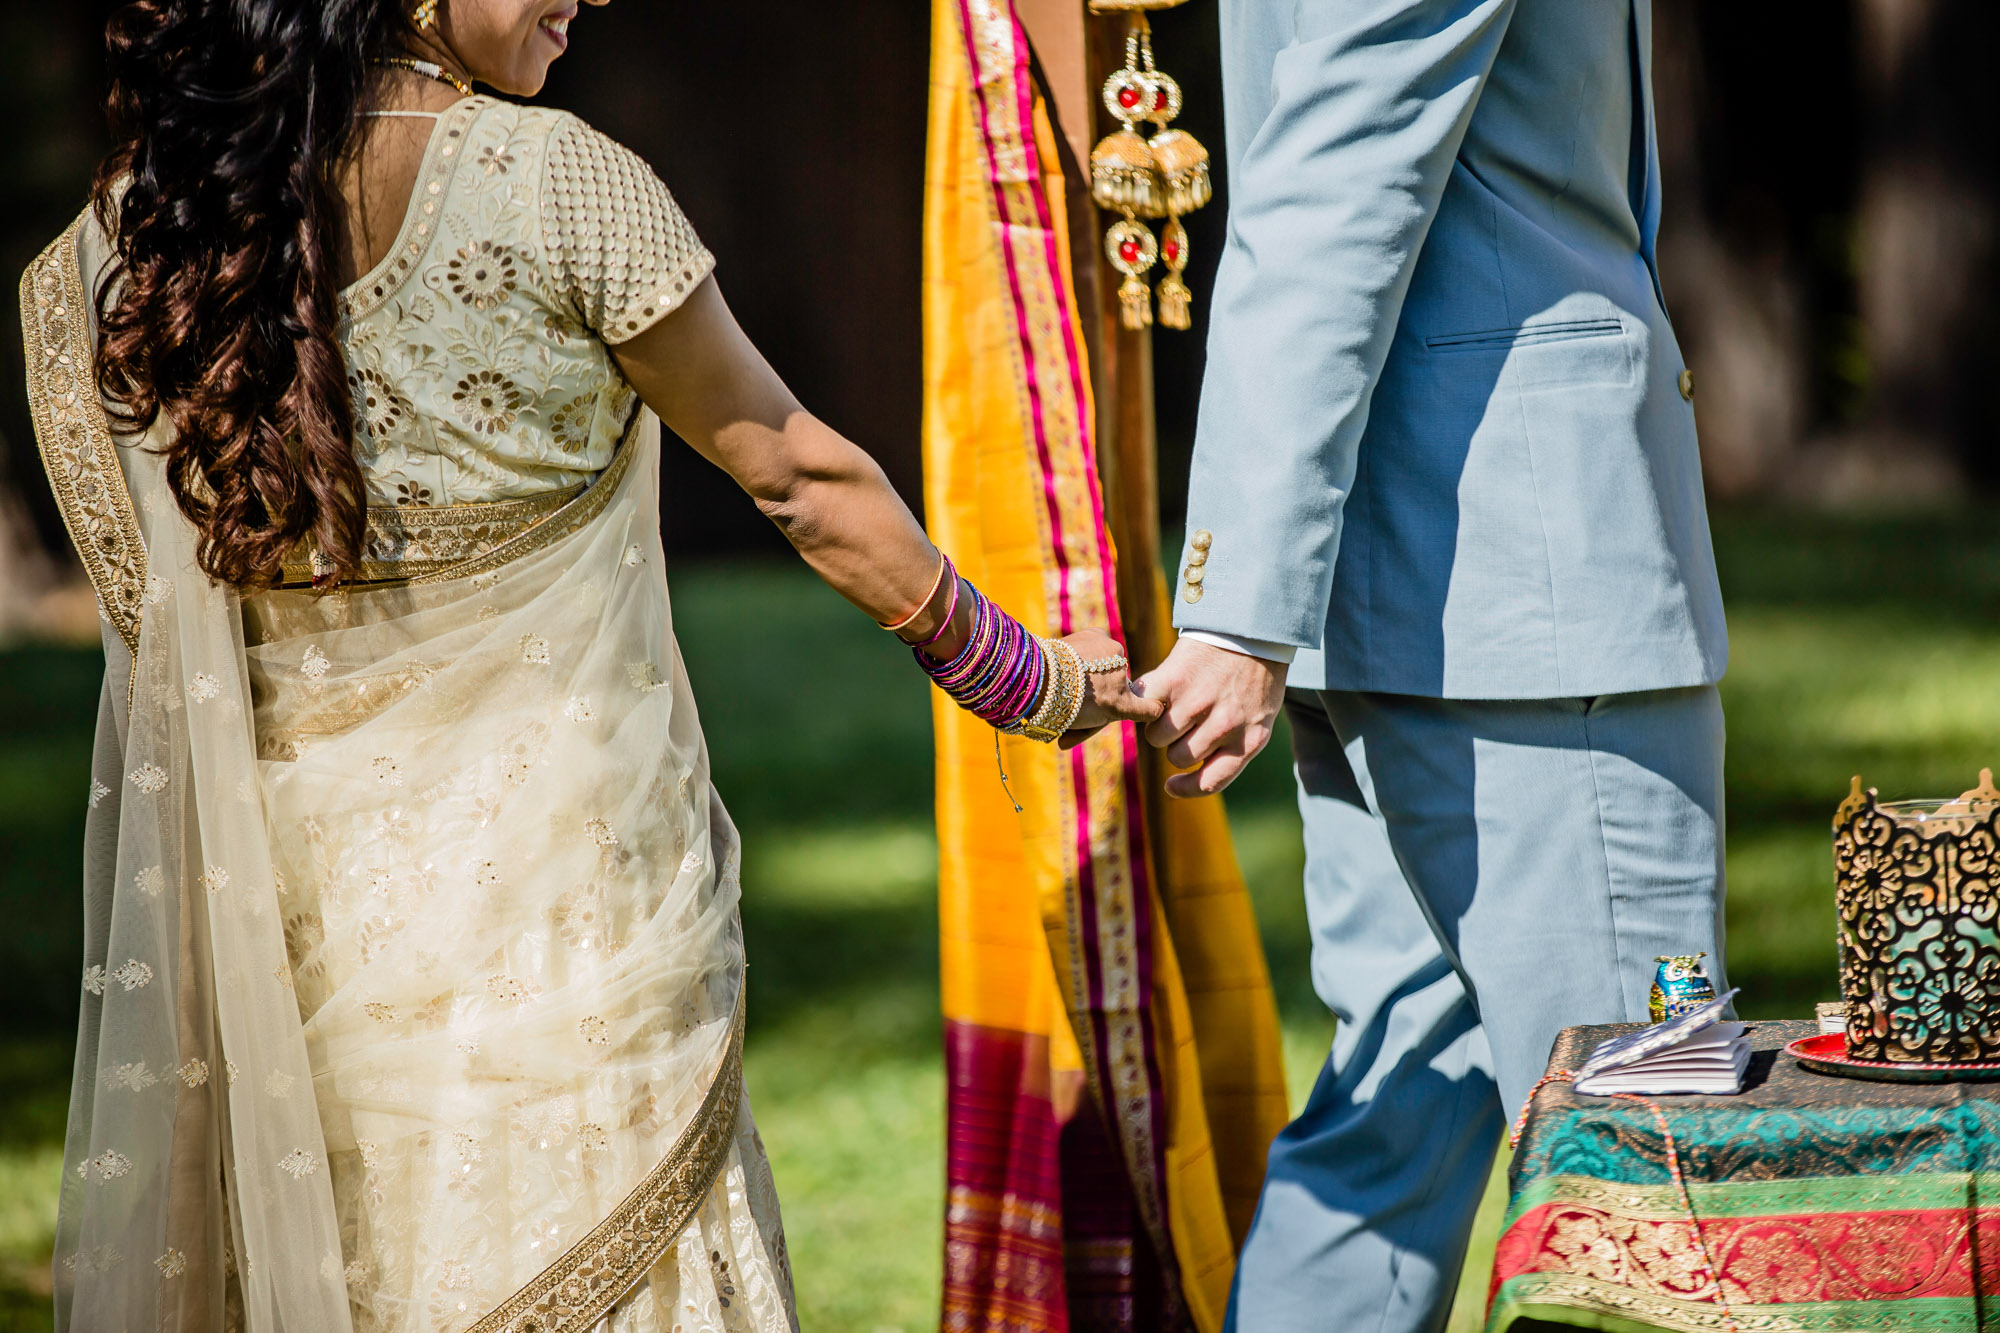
(1000,672)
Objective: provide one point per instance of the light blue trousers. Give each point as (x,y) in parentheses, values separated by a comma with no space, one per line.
(1479,876)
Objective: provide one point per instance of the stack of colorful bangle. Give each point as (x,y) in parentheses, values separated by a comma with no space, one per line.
(1023,685)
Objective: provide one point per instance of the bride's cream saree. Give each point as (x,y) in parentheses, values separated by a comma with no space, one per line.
(414,996)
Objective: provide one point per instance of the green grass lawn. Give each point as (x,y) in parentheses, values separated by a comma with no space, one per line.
(1870,647)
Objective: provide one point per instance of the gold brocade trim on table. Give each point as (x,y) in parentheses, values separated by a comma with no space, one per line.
(1551,1294)
(597,1272)
(74,435)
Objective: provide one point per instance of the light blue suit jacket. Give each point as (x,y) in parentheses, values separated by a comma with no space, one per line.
(1444,444)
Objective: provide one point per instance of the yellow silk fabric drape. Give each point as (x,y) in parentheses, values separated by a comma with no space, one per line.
(1147,982)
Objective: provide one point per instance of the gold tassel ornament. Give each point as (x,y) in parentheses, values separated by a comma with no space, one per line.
(1166,175)
(1123,177)
(1130,247)
(1175,298)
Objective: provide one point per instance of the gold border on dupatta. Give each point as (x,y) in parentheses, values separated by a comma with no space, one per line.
(1120,1073)
(74,436)
(597,1272)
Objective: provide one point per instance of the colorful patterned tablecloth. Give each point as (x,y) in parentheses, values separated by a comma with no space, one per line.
(1827,1203)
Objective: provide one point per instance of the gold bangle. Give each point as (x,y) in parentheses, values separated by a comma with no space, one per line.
(1062,693)
(1078,682)
(937,581)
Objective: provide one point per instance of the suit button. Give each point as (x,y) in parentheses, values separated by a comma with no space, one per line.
(1202,540)
(1687,386)
(1192,593)
(1195,574)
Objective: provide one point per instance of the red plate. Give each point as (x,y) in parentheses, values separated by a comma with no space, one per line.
(1827,1054)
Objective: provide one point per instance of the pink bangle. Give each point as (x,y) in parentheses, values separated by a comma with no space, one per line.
(950,610)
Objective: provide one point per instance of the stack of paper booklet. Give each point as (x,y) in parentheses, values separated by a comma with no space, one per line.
(1699,1052)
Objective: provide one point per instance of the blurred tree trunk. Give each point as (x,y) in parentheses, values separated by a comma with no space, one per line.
(1925,236)
(1736,291)
(50,96)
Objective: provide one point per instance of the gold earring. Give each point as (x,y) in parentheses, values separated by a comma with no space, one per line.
(425,15)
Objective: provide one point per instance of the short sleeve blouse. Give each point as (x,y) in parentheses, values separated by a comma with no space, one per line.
(478,351)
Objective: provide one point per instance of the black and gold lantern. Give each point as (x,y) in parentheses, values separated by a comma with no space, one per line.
(1918,895)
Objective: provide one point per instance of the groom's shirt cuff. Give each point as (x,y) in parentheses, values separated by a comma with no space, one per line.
(1282,653)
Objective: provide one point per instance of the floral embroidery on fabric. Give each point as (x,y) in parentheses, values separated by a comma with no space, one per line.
(314,665)
(203,687)
(298,1163)
(132,1077)
(601,833)
(132,974)
(634,557)
(215,879)
(483,275)
(511,990)
(534,650)
(149,778)
(387,771)
(98,791)
(724,1288)
(171,1264)
(645,677)
(413,494)
(380,1012)
(158,590)
(152,881)
(580,709)
(93,979)
(571,424)
(379,409)
(110,1165)
(487,401)
(279,1084)
(495,160)
(581,923)
(546,1125)
(194,1073)
(594,1030)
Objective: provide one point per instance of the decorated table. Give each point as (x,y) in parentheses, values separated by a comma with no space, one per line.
(1825,1204)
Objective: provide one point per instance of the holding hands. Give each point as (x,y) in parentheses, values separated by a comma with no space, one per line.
(1108,696)
(1218,709)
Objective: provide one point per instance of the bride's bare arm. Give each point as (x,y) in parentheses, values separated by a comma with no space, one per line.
(714,389)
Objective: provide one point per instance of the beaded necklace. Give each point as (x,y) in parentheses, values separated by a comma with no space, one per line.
(430,69)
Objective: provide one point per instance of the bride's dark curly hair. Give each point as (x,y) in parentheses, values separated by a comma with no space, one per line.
(230,118)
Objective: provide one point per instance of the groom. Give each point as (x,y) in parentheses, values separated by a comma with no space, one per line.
(1446,490)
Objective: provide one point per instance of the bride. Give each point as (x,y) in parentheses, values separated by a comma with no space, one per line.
(414,988)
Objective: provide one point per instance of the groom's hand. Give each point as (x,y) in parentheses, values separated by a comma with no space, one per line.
(1220,708)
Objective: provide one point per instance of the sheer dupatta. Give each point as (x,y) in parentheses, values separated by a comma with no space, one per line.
(422,895)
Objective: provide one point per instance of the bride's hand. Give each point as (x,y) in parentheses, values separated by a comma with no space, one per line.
(1108,695)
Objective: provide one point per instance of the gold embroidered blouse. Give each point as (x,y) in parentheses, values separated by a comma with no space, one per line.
(478,350)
